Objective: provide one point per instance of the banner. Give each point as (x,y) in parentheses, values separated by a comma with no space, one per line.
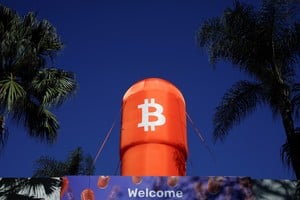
(181,187)
(146,187)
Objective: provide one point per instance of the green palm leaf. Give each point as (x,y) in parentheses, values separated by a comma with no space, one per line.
(41,186)
(252,41)
(49,167)
(29,89)
(265,44)
(10,92)
(28,188)
(40,122)
(76,164)
(53,86)
(238,102)
(290,149)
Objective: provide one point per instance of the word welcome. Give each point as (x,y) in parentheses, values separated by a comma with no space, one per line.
(138,193)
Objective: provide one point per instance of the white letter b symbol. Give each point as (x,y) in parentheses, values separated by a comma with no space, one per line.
(161,120)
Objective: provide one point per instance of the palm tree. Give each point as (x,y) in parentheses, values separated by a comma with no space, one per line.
(29,188)
(29,87)
(76,164)
(265,44)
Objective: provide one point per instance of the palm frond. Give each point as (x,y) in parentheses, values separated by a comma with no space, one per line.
(40,122)
(88,168)
(80,164)
(252,41)
(280,12)
(28,87)
(265,44)
(296,100)
(35,43)
(236,37)
(74,162)
(28,188)
(43,35)
(8,25)
(27,44)
(41,186)
(10,185)
(290,150)
(53,86)
(49,167)
(298,190)
(287,51)
(3,132)
(10,92)
(276,22)
(7,16)
(238,102)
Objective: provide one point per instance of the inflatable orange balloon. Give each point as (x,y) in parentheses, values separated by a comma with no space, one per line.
(172,181)
(136,179)
(153,132)
(103,181)
(87,194)
(64,187)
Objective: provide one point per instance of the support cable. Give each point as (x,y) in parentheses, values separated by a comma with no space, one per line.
(201,137)
(105,139)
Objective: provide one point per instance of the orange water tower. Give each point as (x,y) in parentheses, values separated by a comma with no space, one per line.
(153,130)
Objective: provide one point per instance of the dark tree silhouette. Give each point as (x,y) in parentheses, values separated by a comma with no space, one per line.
(28,188)
(76,164)
(29,85)
(265,44)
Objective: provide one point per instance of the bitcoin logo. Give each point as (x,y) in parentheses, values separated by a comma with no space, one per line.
(161,120)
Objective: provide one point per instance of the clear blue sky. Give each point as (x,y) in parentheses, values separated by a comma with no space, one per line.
(112,44)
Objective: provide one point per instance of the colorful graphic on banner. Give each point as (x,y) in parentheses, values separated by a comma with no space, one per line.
(173,187)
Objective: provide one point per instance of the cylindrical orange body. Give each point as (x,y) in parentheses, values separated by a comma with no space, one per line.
(87,194)
(153,132)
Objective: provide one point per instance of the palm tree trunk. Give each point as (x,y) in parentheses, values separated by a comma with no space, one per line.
(288,124)
(286,110)
(3,132)
(2,124)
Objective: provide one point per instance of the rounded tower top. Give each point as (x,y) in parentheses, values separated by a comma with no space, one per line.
(153,84)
